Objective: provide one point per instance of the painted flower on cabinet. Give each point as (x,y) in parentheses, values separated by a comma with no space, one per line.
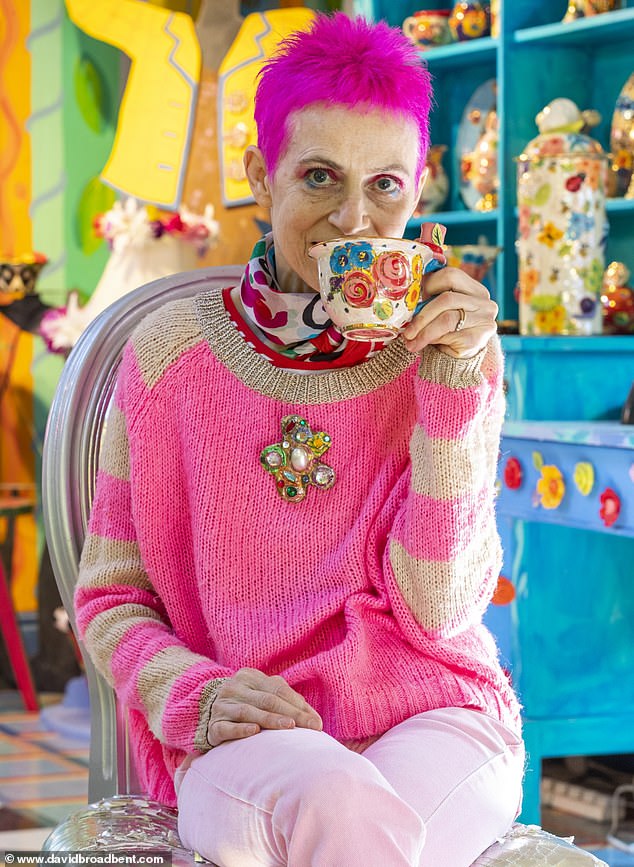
(610,507)
(584,477)
(551,487)
(504,592)
(513,474)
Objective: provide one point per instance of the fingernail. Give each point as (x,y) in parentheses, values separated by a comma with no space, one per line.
(252,730)
(316,724)
(287,723)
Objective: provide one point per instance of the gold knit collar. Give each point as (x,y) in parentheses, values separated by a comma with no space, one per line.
(257,372)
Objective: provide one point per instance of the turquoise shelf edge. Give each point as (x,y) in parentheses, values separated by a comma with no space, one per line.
(617,343)
(619,24)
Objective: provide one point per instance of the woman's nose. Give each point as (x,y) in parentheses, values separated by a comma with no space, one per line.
(350,217)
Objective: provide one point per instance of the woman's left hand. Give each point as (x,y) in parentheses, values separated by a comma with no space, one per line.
(459,319)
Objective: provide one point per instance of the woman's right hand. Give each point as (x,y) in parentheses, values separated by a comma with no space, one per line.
(251,701)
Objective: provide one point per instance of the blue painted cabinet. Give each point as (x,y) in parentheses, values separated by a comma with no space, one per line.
(567,637)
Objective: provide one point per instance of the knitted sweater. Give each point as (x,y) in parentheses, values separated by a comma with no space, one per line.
(366,597)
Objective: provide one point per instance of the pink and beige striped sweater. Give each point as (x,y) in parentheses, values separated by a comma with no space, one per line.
(366,597)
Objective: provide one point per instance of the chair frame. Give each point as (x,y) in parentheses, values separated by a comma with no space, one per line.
(69,470)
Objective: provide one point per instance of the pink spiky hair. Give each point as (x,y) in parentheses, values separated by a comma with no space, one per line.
(346,62)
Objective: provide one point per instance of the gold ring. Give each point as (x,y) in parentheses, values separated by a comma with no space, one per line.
(461,321)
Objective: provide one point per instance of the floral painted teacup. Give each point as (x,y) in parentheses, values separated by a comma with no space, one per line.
(371,287)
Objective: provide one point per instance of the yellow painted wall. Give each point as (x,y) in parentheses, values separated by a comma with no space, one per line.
(17,464)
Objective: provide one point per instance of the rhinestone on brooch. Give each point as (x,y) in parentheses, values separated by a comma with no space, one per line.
(295,461)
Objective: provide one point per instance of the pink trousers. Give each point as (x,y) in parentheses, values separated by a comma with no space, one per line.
(434,791)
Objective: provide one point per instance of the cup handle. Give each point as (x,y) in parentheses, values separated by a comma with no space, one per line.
(409,25)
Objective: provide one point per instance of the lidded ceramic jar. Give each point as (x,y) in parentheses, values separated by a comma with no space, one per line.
(561,191)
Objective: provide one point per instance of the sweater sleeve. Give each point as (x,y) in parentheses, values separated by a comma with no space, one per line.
(443,556)
(121,618)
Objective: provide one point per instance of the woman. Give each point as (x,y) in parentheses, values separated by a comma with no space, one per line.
(309,680)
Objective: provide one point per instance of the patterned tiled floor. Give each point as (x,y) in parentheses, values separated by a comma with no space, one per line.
(44,777)
(43,774)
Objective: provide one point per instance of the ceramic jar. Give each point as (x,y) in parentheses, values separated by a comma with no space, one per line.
(469,20)
(561,189)
(428,28)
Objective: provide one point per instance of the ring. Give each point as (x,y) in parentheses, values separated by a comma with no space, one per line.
(461,321)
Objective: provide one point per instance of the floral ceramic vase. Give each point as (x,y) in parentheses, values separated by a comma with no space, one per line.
(617,299)
(436,186)
(563,229)
(469,20)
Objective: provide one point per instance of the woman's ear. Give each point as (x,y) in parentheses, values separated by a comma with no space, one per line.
(257,176)
(421,183)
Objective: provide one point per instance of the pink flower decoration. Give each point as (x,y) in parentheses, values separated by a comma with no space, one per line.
(358,289)
(391,270)
(610,507)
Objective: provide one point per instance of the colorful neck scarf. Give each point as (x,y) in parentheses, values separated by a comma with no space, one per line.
(295,323)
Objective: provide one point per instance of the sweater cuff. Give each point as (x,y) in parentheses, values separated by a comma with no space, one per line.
(443,369)
(207,699)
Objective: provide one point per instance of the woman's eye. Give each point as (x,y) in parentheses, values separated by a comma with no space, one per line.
(318,177)
(388,185)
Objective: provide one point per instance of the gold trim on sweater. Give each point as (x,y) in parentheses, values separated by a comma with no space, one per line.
(258,374)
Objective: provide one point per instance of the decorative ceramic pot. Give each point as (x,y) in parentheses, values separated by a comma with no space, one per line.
(562,229)
(617,299)
(436,186)
(18,277)
(371,287)
(428,28)
(469,20)
(587,8)
(474,259)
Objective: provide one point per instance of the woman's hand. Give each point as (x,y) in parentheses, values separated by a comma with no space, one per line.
(251,701)
(460,318)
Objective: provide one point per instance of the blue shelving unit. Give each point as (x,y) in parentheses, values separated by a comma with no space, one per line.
(566,636)
(534,59)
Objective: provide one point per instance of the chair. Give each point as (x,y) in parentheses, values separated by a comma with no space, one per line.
(119,816)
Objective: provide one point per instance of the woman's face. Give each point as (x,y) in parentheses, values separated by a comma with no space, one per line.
(344,173)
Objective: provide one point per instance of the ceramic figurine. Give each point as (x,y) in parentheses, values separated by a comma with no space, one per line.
(617,299)
(587,8)
(469,20)
(428,28)
(480,167)
(622,141)
(436,186)
(562,225)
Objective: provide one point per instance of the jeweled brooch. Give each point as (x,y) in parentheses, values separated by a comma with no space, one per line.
(295,461)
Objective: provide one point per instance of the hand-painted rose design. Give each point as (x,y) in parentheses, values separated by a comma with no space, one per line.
(610,507)
(551,487)
(513,474)
(392,271)
(358,289)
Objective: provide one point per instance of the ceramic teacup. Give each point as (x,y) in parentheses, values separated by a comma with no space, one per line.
(371,287)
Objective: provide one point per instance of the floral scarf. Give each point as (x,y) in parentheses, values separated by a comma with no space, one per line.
(291,329)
